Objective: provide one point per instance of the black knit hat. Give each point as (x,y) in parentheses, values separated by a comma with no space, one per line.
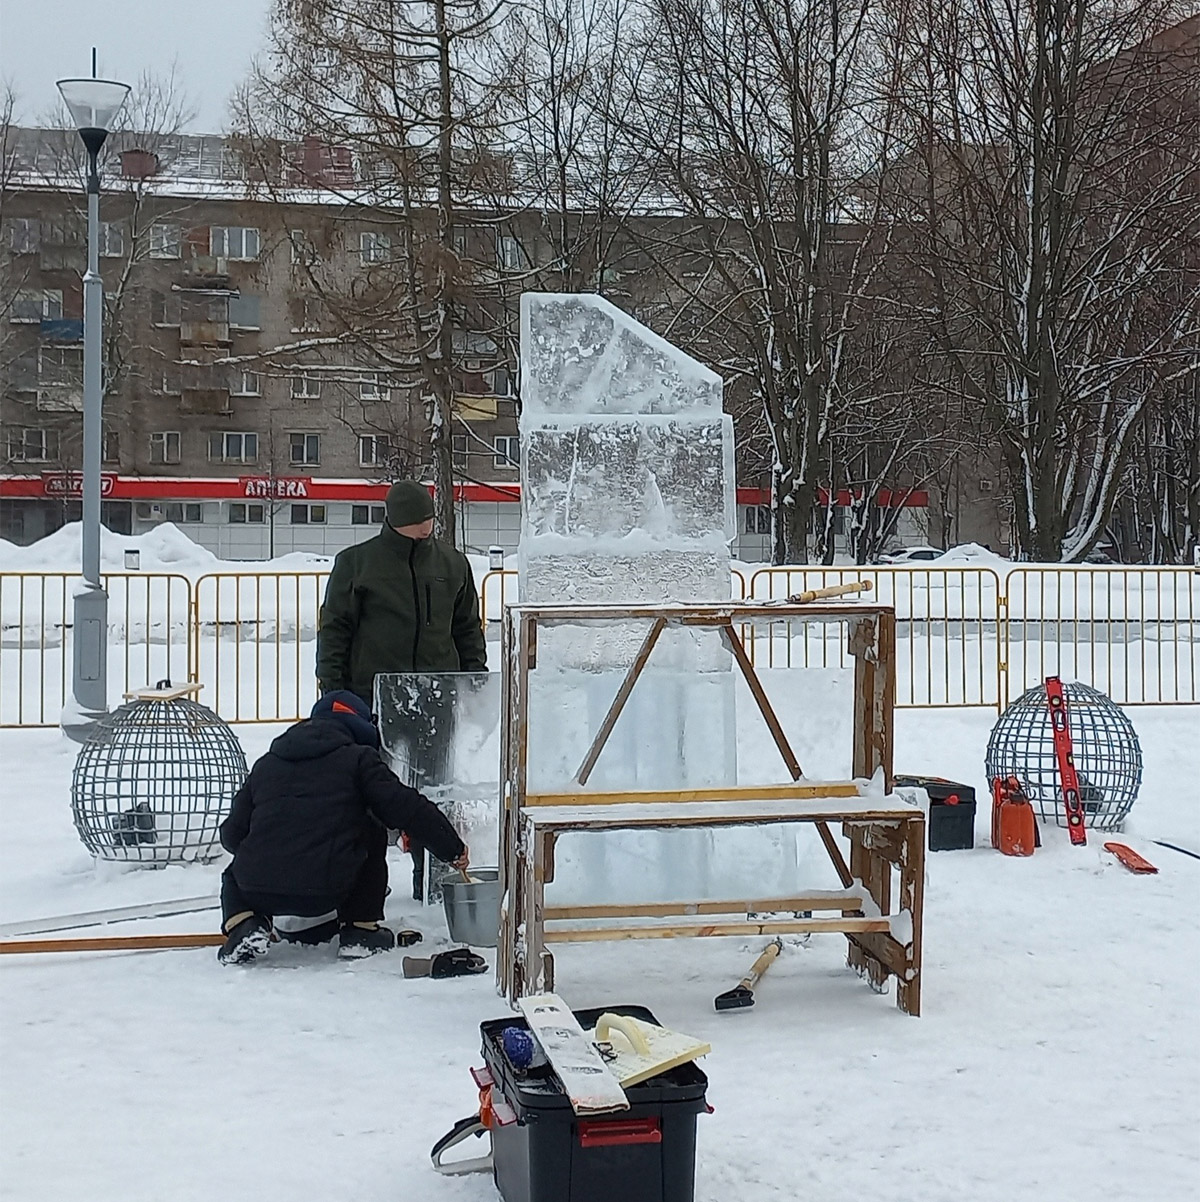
(408,504)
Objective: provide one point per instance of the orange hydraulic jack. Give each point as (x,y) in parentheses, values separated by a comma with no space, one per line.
(1014,825)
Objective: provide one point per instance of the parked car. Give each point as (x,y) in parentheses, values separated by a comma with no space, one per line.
(904,555)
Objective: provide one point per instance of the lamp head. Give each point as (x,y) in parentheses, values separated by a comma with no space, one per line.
(94,104)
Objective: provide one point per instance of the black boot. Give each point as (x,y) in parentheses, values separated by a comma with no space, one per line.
(247,940)
(357,940)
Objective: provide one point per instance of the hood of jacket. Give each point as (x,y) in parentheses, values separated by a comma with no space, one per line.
(311,739)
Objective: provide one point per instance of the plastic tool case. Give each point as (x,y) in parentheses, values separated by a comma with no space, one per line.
(644,1154)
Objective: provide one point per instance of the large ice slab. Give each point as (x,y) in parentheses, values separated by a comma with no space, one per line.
(590,481)
(583,355)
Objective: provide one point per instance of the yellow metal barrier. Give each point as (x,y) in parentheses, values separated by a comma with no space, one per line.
(948,645)
(1130,632)
(254,643)
(147,630)
(965,636)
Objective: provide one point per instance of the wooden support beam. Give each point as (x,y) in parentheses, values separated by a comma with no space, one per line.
(108,943)
(799,791)
(790,926)
(618,702)
(845,902)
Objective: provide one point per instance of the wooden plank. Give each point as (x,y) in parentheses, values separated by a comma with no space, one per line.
(790,926)
(711,613)
(165,694)
(882,947)
(108,943)
(798,790)
(638,817)
(618,702)
(844,902)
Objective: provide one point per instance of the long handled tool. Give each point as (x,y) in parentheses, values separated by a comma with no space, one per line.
(742,994)
(836,590)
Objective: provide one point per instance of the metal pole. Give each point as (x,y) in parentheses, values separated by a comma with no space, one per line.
(90,658)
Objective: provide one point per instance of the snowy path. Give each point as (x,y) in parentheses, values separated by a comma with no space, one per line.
(150,1076)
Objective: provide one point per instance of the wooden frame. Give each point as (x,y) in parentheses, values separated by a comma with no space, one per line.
(884,834)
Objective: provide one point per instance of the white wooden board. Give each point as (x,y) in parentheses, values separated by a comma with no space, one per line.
(585,1077)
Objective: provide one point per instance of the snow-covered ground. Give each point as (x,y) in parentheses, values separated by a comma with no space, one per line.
(1057,1059)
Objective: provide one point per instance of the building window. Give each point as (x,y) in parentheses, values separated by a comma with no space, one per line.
(305,515)
(234,242)
(164,446)
(304,450)
(304,253)
(758,519)
(112,239)
(169,383)
(227,447)
(373,450)
(306,388)
(164,240)
(509,253)
(372,386)
(245,383)
(242,512)
(366,515)
(374,248)
(32,446)
(500,381)
(110,447)
(164,308)
(243,312)
(60,365)
(36,304)
(178,512)
(25,235)
(507,451)
(307,313)
(458,451)
(471,344)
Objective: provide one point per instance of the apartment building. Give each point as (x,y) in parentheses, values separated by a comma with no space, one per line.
(236,407)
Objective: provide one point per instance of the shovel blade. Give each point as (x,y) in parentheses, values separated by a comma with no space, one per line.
(737,998)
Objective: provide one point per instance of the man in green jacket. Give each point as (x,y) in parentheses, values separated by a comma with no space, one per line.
(402,602)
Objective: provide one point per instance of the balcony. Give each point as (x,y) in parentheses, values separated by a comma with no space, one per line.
(212,402)
(204,333)
(60,398)
(61,329)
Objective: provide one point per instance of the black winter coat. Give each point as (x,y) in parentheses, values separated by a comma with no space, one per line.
(298,825)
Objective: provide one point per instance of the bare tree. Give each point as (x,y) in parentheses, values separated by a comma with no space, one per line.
(411,89)
(1051,189)
(764,120)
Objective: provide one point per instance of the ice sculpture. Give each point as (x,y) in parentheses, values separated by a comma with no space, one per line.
(627,474)
(627,496)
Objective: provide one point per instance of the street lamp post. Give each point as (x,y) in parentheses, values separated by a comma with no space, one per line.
(94,104)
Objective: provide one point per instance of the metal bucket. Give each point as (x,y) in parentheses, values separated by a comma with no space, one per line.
(473,910)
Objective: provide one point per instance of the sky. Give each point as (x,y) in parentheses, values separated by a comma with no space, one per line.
(210,45)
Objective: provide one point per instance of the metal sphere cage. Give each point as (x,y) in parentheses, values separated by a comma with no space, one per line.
(154,781)
(1105,749)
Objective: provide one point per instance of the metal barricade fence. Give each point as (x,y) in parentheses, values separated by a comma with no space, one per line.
(965,636)
(148,638)
(948,640)
(254,643)
(1129,632)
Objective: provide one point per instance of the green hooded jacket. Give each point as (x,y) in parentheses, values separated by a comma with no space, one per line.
(395,604)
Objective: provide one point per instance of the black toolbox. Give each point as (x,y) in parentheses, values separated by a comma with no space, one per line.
(644,1154)
(951,811)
